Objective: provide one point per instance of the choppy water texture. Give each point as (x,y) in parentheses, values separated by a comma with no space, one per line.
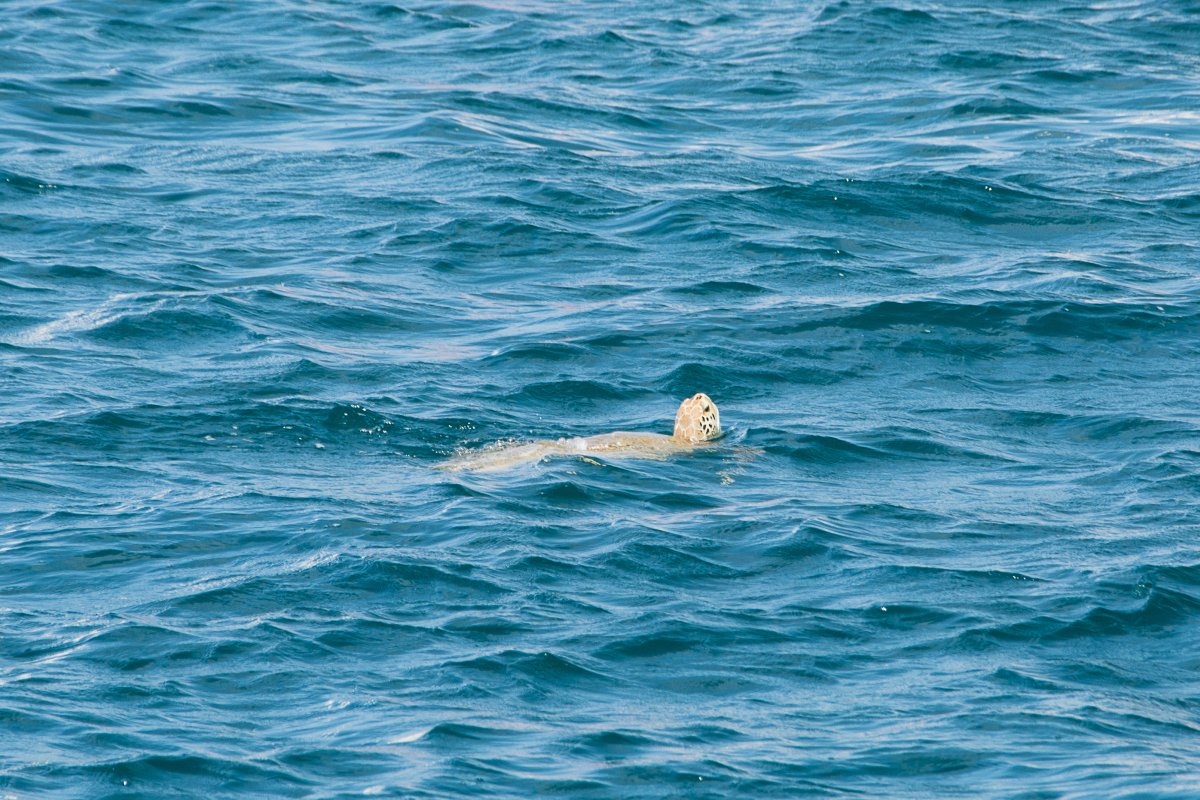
(264,265)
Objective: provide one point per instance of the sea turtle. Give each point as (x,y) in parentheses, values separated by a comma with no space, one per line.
(696,422)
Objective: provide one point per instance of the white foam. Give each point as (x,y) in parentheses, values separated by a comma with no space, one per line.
(83,320)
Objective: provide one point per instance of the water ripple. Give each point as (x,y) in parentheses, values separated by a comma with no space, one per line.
(265,266)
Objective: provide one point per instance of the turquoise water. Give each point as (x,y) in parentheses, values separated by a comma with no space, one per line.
(263,266)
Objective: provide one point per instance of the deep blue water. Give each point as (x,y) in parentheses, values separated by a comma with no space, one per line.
(264,265)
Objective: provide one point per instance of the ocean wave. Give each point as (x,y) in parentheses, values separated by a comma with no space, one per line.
(267,266)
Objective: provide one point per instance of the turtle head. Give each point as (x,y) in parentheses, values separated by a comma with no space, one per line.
(697,419)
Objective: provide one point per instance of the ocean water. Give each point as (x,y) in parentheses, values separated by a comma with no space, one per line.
(264,266)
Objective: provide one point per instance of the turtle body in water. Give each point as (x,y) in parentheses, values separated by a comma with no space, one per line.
(697,421)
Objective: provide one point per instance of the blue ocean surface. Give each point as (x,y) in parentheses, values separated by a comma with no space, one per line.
(264,266)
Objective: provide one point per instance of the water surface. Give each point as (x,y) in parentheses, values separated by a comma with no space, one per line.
(263,266)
